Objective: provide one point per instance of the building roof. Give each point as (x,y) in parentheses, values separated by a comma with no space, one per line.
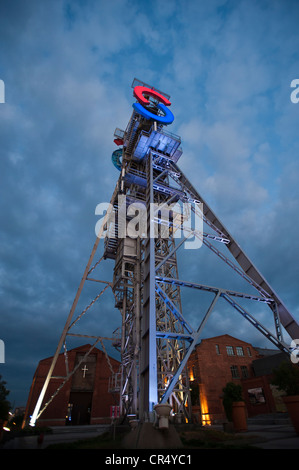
(265,365)
(83,348)
(224,336)
(266,351)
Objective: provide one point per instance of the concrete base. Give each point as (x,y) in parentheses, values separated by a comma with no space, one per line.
(146,436)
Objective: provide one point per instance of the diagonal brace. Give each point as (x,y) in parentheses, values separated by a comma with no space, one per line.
(183,363)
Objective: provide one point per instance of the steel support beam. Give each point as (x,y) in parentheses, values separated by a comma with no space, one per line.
(248,268)
(148,366)
(196,336)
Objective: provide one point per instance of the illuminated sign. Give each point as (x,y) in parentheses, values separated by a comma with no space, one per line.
(139,92)
(142,94)
(116,156)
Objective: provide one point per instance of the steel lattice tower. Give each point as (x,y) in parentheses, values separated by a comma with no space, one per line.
(154,339)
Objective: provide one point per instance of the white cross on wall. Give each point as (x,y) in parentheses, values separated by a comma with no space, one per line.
(84,370)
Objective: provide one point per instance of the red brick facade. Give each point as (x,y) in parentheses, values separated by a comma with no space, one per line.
(215,362)
(84,399)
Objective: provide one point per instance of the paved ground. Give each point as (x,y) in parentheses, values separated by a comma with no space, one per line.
(272,436)
(275,436)
(266,436)
(60,434)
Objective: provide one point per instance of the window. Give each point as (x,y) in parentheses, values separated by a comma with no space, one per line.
(244,372)
(217,348)
(249,352)
(240,351)
(230,351)
(234,372)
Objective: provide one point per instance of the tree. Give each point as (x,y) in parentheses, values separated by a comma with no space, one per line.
(286,378)
(4,404)
(231,393)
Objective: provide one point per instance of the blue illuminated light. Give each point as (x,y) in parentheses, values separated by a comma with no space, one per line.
(116,156)
(168,117)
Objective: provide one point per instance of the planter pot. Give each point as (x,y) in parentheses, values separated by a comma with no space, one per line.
(292,404)
(239,416)
(163,412)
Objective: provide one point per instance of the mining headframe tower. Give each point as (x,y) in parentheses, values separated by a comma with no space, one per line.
(155,211)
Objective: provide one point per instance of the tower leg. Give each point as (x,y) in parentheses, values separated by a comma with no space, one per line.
(148,366)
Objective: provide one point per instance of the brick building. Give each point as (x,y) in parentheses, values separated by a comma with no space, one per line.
(222,359)
(84,399)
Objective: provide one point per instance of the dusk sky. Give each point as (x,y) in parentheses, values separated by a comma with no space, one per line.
(68,67)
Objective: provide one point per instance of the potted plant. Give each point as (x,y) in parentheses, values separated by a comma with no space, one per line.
(286,378)
(234,406)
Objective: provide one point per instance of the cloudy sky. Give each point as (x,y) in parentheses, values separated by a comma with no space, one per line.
(68,67)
